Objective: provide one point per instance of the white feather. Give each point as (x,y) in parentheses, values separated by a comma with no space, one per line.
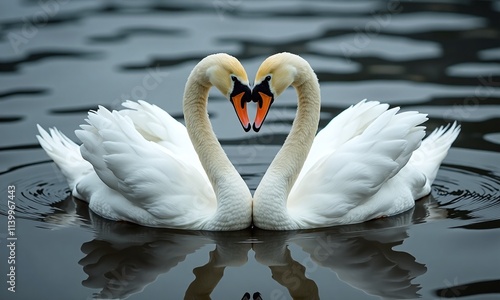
(140,165)
(345,185)
(368,162)
(66,154)
(152,178)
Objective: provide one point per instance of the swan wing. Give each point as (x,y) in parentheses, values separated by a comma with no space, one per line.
(349,123)
(158,126)
(148,175)
(352,171)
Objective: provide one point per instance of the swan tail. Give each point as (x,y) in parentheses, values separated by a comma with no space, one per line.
(65,153)
(428,157)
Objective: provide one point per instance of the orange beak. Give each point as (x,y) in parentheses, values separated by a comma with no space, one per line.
(240,106)
(265,102)
(262,94)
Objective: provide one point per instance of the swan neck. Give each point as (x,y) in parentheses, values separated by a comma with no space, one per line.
(230,190)
(272,193)
(293,154)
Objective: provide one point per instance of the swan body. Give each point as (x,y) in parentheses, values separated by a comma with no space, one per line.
(368,162)
(141,165)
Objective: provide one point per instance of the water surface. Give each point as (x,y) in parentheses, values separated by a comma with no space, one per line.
(62,58)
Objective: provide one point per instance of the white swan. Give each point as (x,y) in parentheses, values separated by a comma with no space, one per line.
(368,162)
(141,165)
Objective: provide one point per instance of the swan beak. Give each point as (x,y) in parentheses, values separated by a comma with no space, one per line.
(264,99)
(239,97)
(256,296)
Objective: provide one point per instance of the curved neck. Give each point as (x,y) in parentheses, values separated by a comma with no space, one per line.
(271,195)
(233,196)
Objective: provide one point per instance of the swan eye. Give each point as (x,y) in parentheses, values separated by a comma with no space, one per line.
(268,78)
(233,78)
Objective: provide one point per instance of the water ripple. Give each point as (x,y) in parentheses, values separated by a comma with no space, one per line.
(10,119)
(468,192)
(36,198)
(112,45)
(22,92)
(126,33)
(13,65)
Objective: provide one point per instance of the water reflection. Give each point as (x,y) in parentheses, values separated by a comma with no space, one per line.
(470,289)
(123,259)
(45,79)
(364,257)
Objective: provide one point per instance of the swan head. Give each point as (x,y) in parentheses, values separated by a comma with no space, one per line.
(227,74)
(274,75)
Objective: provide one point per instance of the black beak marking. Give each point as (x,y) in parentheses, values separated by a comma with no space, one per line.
(239,88)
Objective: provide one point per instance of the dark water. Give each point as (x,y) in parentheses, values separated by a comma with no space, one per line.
(59,58)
